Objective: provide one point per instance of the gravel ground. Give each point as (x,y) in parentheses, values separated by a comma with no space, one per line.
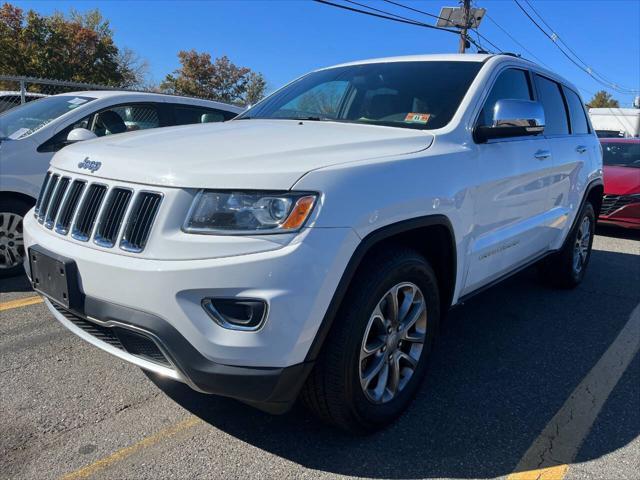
(505,363)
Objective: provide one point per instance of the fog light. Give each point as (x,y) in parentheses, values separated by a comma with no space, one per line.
(236,313)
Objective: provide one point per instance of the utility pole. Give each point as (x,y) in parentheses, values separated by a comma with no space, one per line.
(466,9)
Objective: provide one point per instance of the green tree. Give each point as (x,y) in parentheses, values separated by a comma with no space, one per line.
(603,99)
(78,47)
(220,80)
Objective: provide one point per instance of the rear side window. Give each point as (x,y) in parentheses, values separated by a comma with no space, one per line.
(186,115)
(576,111)
(511,84)
(555,114)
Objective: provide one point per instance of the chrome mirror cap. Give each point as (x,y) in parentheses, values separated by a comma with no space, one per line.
(513,118)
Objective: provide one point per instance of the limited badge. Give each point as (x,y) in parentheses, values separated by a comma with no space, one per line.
(417,117)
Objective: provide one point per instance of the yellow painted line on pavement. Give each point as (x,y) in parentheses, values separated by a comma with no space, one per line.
(20,302)
(126,452)
(551,454)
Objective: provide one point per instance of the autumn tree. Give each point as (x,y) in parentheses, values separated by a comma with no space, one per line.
(603,99)
(78,47)
(220,79)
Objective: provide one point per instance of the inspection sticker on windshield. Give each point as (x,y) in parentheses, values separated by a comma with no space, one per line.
(417,117)
(18,133)
(77,101)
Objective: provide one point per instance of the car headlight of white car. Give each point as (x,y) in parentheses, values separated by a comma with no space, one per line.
(226,212)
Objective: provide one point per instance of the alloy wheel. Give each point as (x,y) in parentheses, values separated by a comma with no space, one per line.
(393,342)
(581,245)
(11,240)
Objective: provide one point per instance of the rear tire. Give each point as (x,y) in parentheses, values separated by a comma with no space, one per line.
(344,389)
(567,268)
(12,212)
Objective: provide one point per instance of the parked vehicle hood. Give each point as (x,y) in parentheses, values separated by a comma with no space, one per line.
(621,180)
(253,154)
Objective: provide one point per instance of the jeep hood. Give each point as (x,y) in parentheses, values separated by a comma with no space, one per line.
(250,154)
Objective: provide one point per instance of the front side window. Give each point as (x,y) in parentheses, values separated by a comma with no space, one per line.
(26,119)
(577,114)
(422,95)
(59,140)
(126,118)
(512,84)
(555,114)
(621,154)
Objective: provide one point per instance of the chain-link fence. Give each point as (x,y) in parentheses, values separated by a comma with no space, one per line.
(15,91)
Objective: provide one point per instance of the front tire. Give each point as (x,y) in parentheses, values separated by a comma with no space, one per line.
(376,354)
(567,268)
(12,212)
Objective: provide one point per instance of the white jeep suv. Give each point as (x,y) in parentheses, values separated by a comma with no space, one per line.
(312,246)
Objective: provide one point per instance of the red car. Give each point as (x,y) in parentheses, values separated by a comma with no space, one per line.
(621,202)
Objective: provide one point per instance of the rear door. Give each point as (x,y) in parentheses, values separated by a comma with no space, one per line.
(183,114)
(511,194)
(572,146)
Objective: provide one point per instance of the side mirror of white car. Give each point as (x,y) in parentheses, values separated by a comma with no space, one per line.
(79,135)
(512,118)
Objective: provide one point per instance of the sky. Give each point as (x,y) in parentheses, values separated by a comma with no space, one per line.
(285,39)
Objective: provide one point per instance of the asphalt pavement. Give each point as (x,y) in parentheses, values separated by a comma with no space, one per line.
(507,363)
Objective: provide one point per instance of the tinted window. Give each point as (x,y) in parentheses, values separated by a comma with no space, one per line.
(186,115)
(621,154)
(422,95)
(554,111)
(126,118)
(576,111)
(511,84)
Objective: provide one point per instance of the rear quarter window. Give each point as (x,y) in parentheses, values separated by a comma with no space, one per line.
(579,124)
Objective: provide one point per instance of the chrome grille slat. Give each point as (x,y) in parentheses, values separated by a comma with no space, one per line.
(140,221)
(56,201)
(85,222)
(46,199)
(611,203)
(70,206)
(112,216)
(109,214)
(45,184)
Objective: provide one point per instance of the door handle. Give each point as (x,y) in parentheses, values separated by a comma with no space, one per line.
(542,154)
(581,149)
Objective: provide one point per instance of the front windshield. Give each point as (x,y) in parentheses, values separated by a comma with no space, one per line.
(422,95)
(621,154)
(30,117)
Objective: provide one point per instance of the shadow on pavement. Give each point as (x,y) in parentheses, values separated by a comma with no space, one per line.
(617,232)
(19,283)
(505,363)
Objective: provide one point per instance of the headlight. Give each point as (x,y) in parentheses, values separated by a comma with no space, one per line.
(251,212)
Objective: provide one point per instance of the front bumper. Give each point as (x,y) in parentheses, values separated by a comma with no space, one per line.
(272,389)
(162,298)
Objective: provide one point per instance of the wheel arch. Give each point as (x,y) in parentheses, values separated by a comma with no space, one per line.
(432,236)
(8,195)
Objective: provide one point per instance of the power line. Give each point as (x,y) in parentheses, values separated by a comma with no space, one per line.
(516,41)
(554,33)
(388,16)
(571,59)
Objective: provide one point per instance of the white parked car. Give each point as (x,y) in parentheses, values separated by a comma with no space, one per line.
(32,133)
(314,243)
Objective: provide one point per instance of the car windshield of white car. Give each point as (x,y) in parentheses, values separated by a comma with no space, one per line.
(423,95)
(30,117)
(621,154)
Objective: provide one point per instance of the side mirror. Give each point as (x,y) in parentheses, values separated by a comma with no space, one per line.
(512,118)
(79,135)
